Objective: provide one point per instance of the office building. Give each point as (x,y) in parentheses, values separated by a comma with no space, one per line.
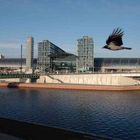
(85,60)
(29,53)
(47,52)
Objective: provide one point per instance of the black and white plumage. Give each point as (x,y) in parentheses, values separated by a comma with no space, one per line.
(114,41)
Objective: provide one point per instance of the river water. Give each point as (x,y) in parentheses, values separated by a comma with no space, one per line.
(113,114)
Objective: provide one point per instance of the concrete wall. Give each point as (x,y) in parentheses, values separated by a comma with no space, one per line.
(95,79)
(10,80)
(24,80)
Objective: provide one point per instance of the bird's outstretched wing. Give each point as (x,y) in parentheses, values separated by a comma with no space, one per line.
(115,37)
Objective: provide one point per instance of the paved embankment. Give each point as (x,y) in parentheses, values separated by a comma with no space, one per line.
(8,137)
(39,132)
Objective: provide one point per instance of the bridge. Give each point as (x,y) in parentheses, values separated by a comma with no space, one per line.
(33,77)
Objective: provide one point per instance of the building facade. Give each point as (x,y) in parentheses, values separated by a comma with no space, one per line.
(68,64)
(85,51)
(46,55)
(29,53)
(65,64)
(116,65)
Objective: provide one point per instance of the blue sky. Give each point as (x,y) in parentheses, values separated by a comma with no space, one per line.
(64,21)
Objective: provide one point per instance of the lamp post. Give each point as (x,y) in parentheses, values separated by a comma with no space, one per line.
(21,58)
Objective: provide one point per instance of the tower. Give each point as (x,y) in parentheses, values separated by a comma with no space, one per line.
(29,53)
(85,60)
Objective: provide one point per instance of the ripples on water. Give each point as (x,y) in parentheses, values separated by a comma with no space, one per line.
(115,114)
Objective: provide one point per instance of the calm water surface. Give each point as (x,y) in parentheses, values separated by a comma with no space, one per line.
(115,114)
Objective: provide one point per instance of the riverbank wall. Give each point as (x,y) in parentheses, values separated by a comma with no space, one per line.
(90,79)
(70,87)
(100,82)
(25,80)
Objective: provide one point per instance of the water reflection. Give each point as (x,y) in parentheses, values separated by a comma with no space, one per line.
(113,114)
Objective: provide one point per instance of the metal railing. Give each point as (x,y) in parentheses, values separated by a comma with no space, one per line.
(3,76)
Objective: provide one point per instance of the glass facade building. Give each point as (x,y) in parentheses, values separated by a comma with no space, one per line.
(65,64)
(85,60)
(117,64)
(46,50)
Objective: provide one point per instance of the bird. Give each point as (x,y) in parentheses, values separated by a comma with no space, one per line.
(114,41)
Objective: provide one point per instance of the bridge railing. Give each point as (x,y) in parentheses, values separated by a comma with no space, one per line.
(2,75)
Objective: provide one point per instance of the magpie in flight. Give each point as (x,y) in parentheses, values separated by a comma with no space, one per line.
(114,41)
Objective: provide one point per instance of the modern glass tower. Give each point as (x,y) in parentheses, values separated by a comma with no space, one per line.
(29,53)
(45,51)
(85,49)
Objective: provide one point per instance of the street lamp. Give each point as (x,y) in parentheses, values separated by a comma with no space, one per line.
(21,58)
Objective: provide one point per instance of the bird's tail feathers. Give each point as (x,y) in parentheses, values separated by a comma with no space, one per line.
(126,48)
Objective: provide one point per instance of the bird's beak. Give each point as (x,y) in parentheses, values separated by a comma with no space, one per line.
(104,47)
